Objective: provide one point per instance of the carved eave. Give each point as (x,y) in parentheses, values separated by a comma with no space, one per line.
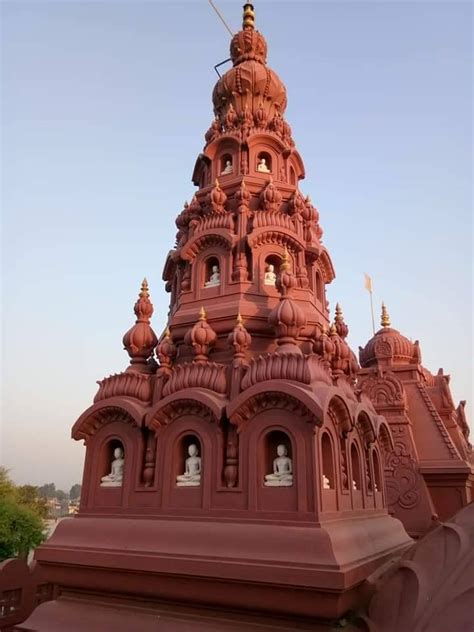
(169,269)
(297,161)
(202,163)
(108,411)
(224,141)
(326,266)
(276,235)
(192,401)
(213,237)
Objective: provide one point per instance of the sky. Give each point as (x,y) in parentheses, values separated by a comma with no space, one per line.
(104,108)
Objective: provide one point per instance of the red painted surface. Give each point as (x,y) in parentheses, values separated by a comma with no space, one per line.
(261,366)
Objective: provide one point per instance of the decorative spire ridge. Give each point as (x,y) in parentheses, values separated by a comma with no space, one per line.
(140,339)
(341,327)
(385,319)
(248,22)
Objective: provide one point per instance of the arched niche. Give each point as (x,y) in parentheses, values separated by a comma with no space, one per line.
(356,468)
(227,164)
(327,462)
(265,162)
(209,269)
(182,451)
(271,266)
(108,454)
(378,481)
(271,440)
(292,178)
(319,286)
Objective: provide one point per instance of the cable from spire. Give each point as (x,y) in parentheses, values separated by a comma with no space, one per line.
(219,14)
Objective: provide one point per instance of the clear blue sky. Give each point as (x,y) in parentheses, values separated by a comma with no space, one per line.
(104,109)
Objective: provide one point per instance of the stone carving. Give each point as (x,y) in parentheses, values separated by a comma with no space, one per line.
(402,478)
(431,587)
(137,385)
(326,482)
(282,470)
(262,166)
(215,278)
(228,168)
(270,276)
(115,478)
(192,471)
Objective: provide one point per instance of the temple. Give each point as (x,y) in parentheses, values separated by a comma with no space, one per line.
(244,467)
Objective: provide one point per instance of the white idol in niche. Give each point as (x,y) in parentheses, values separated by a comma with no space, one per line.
(192,470)
(282,470)
(215,278)
(270,276)
(115,478)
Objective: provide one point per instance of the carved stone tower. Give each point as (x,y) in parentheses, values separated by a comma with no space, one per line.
(244,466)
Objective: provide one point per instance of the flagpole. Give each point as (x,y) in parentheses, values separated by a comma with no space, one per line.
(372,312)
(369,287)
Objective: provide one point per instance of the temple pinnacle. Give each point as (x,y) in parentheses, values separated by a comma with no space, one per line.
(385,319)
(202,314)
(249,17)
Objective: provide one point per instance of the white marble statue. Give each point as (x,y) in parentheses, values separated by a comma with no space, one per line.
(114,479)
(228,168)
(354,485)
(270,276)
(215,278)
(192,471)
(282,470)
(326,482)
(262,166)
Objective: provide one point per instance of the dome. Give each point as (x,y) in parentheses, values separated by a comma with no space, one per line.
(389,346)
(250,82)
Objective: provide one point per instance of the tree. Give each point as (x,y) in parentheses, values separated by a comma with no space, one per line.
(48,490)
(60,495)
(75,492)
(21,517)
(27,496)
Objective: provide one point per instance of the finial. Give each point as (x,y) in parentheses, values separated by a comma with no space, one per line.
(285,262)
(144,289)
(338,311)
(240,320)
(385,320)
(217,182)
(202,314)
(249,17)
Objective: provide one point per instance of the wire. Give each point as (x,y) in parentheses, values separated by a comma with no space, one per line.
(220,16)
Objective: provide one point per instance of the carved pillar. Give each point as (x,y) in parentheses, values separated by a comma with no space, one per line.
(149,461)
(231,468)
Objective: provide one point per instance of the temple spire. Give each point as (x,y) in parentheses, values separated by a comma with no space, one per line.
(248,22)
(385,319)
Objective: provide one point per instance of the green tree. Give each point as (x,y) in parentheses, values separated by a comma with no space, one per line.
(21,518)
(48,490)
(75,492)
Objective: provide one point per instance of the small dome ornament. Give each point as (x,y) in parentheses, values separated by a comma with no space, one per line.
(341,327)
(166,352)
(140,340)
(240,339)
(201,337)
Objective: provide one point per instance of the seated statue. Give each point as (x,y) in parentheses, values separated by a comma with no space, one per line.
(326,482)
(282,470)
(192,471)
(270,276)
(114,479)
(215,278)
(262,166)
(228,168)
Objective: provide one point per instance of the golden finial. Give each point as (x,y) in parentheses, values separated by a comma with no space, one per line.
(249,16)
(144,289)
(333,330)
(385,320)
(217,183)
(240,320)
(285,262)
(167,332)
(202,314)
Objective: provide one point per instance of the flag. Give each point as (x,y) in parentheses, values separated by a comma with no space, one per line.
(368,282)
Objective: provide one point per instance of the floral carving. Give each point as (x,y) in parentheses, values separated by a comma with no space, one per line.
(137,385)
(193,374)
(271,366)
(402,477)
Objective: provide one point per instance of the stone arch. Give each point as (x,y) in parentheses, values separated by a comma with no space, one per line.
(107,411)
(195,401)
(328,461)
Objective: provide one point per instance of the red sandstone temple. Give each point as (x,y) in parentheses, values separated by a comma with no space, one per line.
(245,471)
